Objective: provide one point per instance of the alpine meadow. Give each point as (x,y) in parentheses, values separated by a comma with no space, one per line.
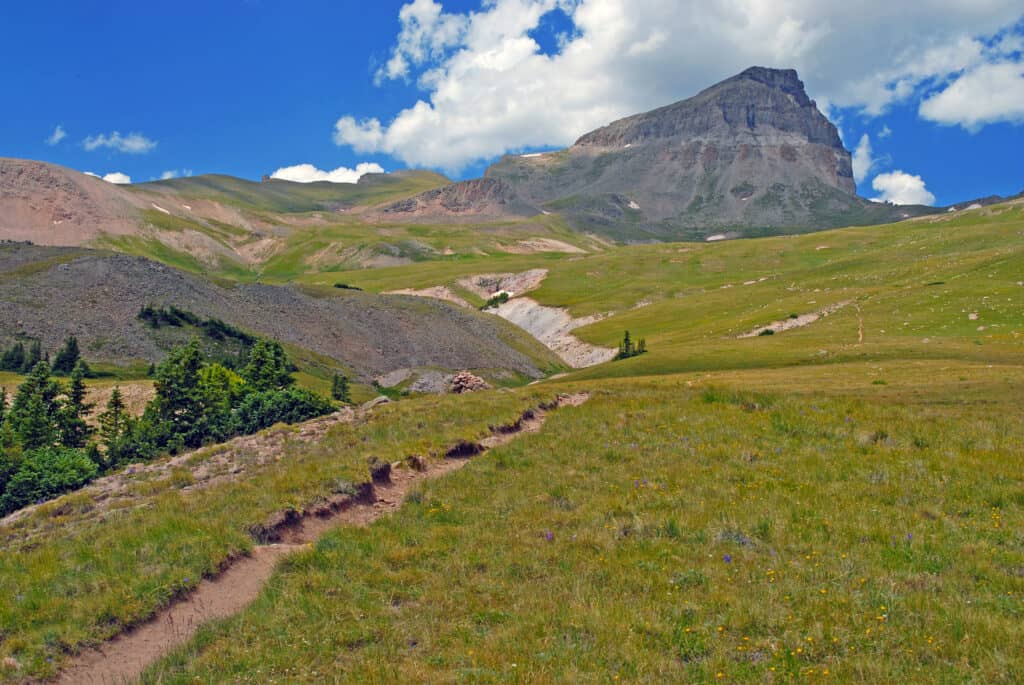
(571,394)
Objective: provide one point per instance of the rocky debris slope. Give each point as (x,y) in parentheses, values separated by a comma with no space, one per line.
(476,199)
(49,293)
(52,205)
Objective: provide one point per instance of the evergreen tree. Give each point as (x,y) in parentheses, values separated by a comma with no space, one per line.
(113,426)
(625,347)
(177,411)
(3,404)
(9,463)
(74,431)
(268,367)
(67,357)
(13,358)
(34,356)
(36,411)
(340,388)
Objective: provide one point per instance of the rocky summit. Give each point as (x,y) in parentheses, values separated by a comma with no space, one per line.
(748,156)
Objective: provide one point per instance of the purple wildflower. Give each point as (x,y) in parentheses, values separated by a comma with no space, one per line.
(727,558)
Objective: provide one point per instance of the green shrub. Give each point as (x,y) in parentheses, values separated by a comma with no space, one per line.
(495,300)
(46,473)
(263,409)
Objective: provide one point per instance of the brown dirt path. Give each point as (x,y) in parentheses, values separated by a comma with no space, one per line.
(123,659)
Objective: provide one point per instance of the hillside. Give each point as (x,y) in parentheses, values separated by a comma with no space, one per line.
(49,293)
(700,517)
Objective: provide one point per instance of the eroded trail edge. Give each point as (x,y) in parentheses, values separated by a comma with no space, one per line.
(123,659)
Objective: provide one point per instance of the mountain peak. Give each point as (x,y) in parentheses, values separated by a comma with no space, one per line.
(758,100)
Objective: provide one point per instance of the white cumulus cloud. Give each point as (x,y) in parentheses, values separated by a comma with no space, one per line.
(58,135)
(901,188)
(175,173)
(987,94)
(133,143)
(307,173)
(489,88)
(862,159)
(113,177)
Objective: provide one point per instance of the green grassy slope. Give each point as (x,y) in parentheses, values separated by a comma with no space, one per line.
(72,575)
(803,506)
(935,288)
(666,532)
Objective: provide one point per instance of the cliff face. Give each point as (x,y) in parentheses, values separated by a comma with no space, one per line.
(752,153)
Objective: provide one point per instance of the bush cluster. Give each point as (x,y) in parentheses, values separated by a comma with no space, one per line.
(19,359)
(47,448)
(627,348)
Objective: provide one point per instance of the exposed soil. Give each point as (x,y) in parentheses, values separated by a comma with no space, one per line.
(485,285)
(123,658)
(533,245)
(439,292)
(51,205)
(795,322)
(553,327)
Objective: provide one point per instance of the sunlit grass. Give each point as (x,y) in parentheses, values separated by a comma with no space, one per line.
(667,532)
(70,577)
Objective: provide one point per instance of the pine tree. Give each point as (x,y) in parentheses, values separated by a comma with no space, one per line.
(13,358)
(74,431)
(268,367)
(67,357)
(35,412)
(3,404)
(340,389)
(34,356)
(177,410)
(625,347)
(641,346)
(113,424)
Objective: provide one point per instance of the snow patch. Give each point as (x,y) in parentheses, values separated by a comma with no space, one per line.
(533,154)
(633,204)
(715,237)
(159,208)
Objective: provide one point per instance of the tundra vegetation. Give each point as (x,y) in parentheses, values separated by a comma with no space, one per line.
(837,501)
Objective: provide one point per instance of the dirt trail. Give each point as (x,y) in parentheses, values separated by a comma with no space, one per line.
(122,659)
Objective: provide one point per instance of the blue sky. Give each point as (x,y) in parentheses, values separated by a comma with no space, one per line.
(249,87)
